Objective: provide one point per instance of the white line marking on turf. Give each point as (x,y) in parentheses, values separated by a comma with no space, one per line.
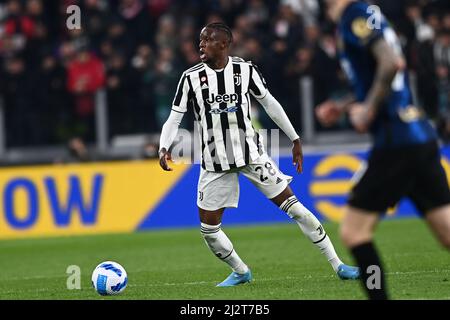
(32,277)
(196,283)
(279,279)
(418,272)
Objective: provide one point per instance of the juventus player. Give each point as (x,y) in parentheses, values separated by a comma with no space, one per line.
(219,89)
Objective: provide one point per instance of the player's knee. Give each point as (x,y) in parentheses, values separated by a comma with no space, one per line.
(293,208)
(346,235)
(210,232)
(439,221)
(216,240)
(352,237)
(445,235)
(445,241)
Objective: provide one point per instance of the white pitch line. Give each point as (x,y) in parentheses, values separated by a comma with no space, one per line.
(32,277)
(284,278)
(195,283)
(418,272)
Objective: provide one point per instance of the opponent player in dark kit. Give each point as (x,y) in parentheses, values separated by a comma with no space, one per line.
(405,159)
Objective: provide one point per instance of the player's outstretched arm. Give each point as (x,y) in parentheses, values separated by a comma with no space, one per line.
(330,111)
(388,64)
(277,114)
(168,134)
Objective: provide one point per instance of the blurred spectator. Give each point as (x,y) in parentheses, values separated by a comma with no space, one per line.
(137,22)
(433,73)
(138,49)
(442,55)
(426,77)
(253,51)
(166,35)
(16,29)
(19,112)
(187,30)
(77,151)
(432,19)
(300,65)
(297,67)
(118,38)
(189,54)
(121,87)
(85,75)
(52,100)
(95,20)
(164,79)
(17,23)
(35,11)
(446,21)
(143,65)
(150,151)
(258,13)
(309,10)
(157,7)
(287,26)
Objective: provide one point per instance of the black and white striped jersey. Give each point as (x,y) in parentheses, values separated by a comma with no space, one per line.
(221,104)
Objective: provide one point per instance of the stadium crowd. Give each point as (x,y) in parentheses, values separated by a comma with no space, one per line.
(137,49)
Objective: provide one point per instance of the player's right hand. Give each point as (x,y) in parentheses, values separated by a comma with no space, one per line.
(361,116)
(297,155)
(328,113)
(164,158)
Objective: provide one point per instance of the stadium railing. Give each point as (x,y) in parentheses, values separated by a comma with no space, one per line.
(311,136)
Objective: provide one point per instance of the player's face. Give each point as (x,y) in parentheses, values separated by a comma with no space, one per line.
(212,44)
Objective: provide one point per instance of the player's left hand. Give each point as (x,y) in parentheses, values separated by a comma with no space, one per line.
(361,117)
(297,155)
(164,158)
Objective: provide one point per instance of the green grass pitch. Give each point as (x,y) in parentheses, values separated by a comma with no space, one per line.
(176,264)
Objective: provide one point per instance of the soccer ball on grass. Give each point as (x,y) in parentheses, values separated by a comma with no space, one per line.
(109,278)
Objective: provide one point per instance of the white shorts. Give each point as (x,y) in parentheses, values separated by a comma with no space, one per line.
(218,190)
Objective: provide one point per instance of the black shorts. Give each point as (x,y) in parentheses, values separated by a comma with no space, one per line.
(413,171)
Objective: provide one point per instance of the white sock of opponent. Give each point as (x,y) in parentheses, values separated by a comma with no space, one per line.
(222,247)
(312,228)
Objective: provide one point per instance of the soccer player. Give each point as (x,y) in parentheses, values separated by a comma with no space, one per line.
(404,159)
(219,90)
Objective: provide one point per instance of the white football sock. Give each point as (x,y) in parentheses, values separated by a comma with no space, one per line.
(312,228)
(222,247)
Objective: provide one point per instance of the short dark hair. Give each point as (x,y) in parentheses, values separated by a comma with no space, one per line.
(222,27)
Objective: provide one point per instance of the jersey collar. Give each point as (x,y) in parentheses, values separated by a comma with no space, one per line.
(229,63)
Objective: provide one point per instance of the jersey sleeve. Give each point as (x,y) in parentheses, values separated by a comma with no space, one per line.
(257,85)
(182,96)
(362,26)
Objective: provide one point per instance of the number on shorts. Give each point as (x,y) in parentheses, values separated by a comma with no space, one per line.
(270,169)
(261,175)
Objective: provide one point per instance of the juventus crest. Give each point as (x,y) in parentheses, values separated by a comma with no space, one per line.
(237,79)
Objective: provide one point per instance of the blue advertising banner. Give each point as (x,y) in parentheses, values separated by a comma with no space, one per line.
(322,187)
(128,196)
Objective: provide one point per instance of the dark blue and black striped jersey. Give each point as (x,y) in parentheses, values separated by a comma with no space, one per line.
(398,122)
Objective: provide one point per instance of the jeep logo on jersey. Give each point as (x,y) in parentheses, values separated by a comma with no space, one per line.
(219,111)
(223,98)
